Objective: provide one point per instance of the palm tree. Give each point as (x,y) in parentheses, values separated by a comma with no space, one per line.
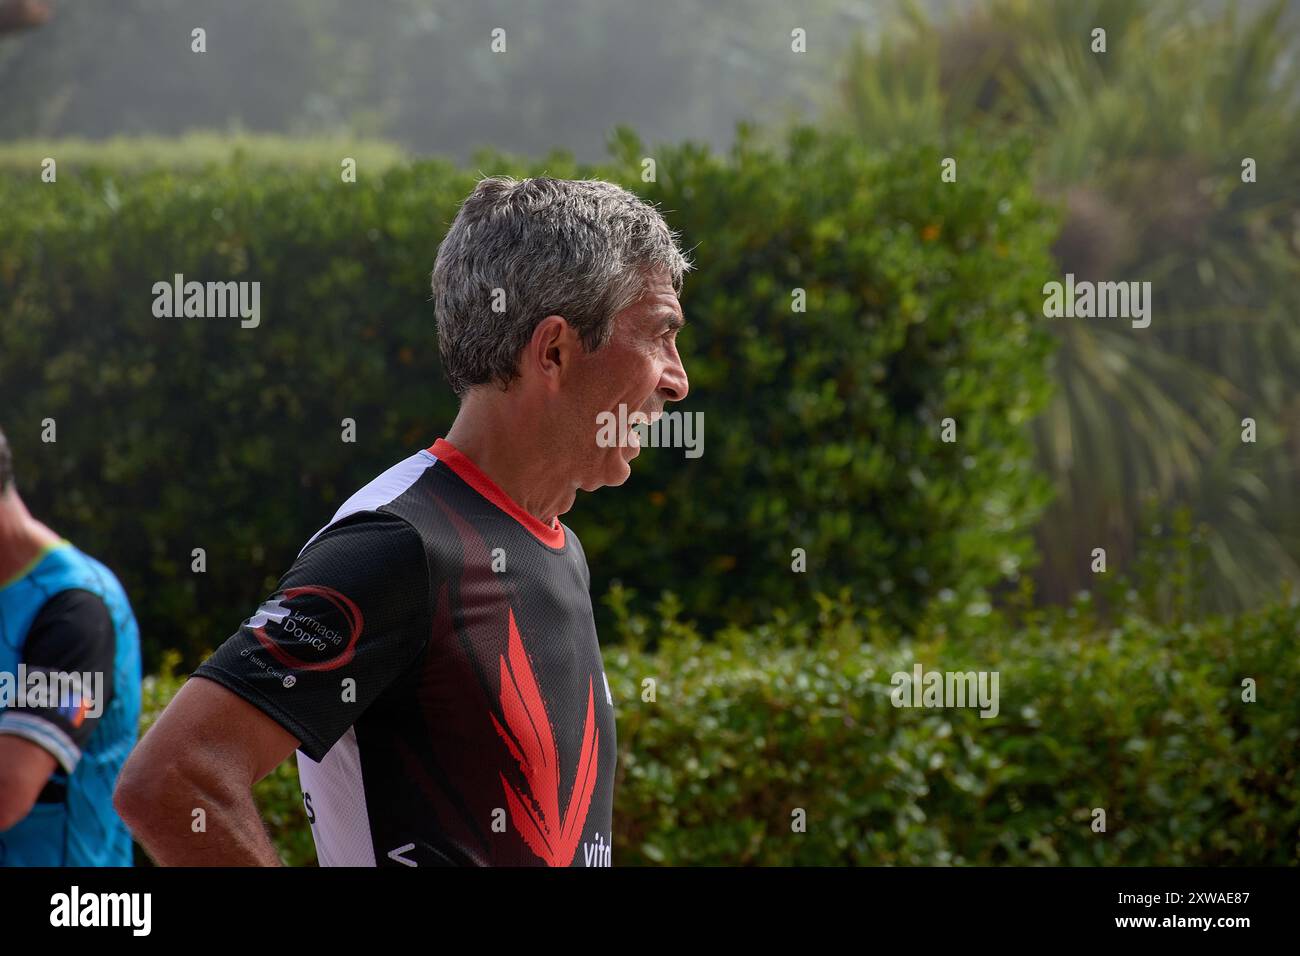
(1143,147)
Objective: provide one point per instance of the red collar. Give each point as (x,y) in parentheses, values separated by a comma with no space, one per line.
(468,472)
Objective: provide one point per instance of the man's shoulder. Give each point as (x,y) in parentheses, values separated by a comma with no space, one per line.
(371,505)
(75,603)
(573,541)
(73,577)
(574,545)
(374,536)
(74,625)
(106,583)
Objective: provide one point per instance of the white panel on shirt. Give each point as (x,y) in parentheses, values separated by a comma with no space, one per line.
(387,487)
(338,802)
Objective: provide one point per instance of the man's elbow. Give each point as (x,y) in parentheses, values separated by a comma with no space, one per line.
(137,790)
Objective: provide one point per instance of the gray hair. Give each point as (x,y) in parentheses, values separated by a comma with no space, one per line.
(582,249)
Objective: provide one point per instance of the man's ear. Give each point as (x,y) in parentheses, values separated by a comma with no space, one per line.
(551,349)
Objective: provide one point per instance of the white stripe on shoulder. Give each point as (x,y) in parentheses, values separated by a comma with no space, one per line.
(387,487)
(43,732)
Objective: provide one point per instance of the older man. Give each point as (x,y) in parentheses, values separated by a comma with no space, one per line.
(432,654)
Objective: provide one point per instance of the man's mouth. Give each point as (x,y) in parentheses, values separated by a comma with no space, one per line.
(639,418)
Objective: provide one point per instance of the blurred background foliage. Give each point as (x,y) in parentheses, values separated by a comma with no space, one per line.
(1142,147)
(192,151)
(421,72)
(822,427)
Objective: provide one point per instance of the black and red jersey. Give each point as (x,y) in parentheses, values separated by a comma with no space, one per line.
(433,650)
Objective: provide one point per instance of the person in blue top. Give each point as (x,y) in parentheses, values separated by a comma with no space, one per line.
(69,695)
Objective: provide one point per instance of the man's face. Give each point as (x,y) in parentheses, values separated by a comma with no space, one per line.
(640,369)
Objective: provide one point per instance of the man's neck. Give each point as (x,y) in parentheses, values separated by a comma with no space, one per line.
(509,450)
(22,538)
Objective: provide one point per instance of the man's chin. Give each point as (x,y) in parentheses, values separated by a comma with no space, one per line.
(620,470)
(615,474)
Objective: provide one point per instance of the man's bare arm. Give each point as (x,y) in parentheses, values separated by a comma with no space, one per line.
(25,768)
(205,753)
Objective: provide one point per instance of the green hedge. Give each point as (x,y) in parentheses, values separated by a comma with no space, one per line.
(1141,719)
(193,152)
(822,427)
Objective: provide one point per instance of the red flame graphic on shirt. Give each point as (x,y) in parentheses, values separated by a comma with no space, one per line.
(531,741)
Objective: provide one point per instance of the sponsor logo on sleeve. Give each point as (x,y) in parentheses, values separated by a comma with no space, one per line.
(310,628)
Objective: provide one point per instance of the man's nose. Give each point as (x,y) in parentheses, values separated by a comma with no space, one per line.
(673,384)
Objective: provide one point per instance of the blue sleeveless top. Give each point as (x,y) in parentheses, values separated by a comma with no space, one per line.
(83,829)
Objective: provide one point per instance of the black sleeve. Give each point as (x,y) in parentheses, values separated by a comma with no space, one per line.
(71,642)
(346,620)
